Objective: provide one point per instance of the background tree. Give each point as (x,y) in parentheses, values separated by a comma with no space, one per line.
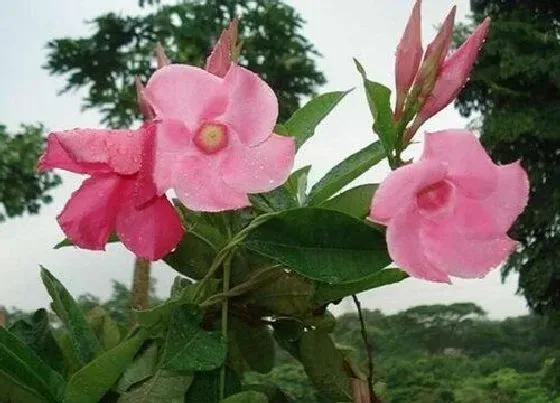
(22,189)
(515,86)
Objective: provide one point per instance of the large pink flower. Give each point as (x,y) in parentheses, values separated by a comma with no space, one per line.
(214,142)
(115,197)
(448,213)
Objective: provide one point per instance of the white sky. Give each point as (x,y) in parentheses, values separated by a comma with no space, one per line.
(366,29)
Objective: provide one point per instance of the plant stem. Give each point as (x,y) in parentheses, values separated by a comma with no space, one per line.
(369,348)
(225,307)
(140,285)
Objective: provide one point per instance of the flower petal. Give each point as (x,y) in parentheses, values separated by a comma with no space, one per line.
(89,216)
(469,167)
(198,185)
(253,108)
(260,168)
(403,236)
(446,248)
(150,232)
(185,93)
(399,189)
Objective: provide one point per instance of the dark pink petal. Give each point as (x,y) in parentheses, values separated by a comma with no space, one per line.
(145,188)
(185,93)
(253,108)
(468,165)
(403,242)
(199,186)
(260,168)
(89,216)
(150,232)
(446,248)
(398,191)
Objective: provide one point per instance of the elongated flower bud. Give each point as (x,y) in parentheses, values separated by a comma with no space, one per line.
(223,53)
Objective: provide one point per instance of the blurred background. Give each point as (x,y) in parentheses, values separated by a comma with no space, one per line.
(72,64)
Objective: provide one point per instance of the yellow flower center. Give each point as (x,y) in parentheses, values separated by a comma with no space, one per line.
(211,138)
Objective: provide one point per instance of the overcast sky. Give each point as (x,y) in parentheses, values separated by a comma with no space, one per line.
(366,29)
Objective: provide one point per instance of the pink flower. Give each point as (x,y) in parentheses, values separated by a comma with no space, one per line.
(214,142)
(409,55)
(448,213)
(453,73)
(108,201)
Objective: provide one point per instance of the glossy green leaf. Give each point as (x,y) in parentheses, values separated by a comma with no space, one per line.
(105,328)
(84,340)
(379,100)
(192,257)
(142,368)
(297,183)
(190,348)
(320,244)
(91,382)
(255,344)
(12,392)
(23,367)
(275,200)
(355,202)
(164,386)
(249,396)
(67,242)
(303,122)
(38,335)
(325,293)
(324,365)
(345,172)
(205,386)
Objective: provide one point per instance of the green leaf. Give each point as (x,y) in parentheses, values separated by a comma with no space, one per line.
(190,348)
(355,202)
(91,382)
(205,386)
(345,172)
(379,100)
(324,365)
(276,200)
(12,392)
(105,328)
(84,341)
(320,244)
(303,122)
(164,386)
(192,257)
(255,344)
(23,367)
(142,368)
(67,242)
(297,184)
(249,396)
(325,293)
(39,336)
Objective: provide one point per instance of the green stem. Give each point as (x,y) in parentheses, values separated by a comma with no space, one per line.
(225,307)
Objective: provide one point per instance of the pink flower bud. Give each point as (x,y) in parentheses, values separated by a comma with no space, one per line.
(161,57)
(143,104)
(223,53)
(454,73)
(409,55)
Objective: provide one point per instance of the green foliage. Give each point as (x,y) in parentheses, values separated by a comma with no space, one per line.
(22,188)
(354,202)
(247,397)
(121,47)
(515,86)
(164,386)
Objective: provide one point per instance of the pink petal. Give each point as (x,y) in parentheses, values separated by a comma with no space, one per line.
(447,249)
(144,186)
(399,189)
(185,93)
(150,232)
(253,108)
(403,238)
(260,168)
(89,216)
(199,186)
(468,165)
(454,73)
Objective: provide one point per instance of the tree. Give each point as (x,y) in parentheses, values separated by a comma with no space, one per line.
(515,85)
(121,48)
(22,188)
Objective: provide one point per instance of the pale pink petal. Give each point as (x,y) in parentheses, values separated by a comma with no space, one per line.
(399,189)
(253,108)
(446,248)
(185,93)
(150,232)
(89,216)
(403,242)
(199,186)
(469,167)
(260,168)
